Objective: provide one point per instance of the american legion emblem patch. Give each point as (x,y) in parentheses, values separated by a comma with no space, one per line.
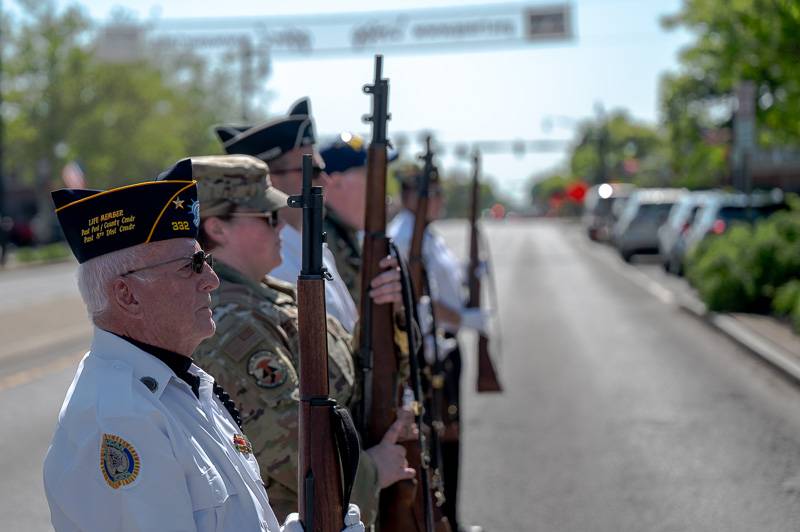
(119,461)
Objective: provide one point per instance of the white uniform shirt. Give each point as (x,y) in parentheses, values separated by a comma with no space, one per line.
(445,271)
(338,301)
(125,458)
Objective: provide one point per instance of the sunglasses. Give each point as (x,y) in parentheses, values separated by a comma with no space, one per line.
(196,261)
(270,217)
(316,171)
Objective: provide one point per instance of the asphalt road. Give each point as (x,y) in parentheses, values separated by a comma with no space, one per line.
(620,412)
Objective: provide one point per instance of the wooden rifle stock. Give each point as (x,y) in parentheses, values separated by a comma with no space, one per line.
(321,497)
(487,375)
(382,386)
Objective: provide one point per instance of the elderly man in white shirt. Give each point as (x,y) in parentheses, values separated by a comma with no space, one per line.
(146,440)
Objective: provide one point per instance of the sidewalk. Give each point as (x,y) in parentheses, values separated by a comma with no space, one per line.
(765,336)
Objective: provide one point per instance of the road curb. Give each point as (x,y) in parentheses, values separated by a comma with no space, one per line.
(744,336)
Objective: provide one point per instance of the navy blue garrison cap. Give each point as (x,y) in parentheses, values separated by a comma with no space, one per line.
(348,151)
(97,222)
(274,138)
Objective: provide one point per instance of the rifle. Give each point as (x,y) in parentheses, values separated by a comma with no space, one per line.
(487,376)
(328,444)
(435,371)
(415,262)
(398,509)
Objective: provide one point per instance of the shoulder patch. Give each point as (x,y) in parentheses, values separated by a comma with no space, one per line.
(268,369)
(119,461)
(239,344)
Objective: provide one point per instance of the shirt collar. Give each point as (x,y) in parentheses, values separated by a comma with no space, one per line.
(108,346)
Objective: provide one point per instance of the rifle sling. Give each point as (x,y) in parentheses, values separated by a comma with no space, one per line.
(348,446)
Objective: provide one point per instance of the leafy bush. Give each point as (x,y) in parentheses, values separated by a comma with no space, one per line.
(717,268)
(786,298)
(751,269)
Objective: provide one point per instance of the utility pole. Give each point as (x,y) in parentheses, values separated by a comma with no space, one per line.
(602,145)
(246,77)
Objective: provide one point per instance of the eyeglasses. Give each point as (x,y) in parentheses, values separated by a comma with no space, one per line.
(270,217)
(196,262)
(316,171)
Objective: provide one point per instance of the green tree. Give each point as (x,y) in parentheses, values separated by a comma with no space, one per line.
(457,191)
(122,122)
(735,41)
(616,148)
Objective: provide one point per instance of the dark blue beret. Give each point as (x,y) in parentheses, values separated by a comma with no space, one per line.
(347,151)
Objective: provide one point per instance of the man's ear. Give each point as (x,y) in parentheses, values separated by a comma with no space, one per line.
(123,297)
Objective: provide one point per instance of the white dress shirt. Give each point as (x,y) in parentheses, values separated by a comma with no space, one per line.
(338,301)
(445,271)
(174,464)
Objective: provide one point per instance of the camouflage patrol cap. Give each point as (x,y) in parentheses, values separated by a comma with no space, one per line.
(409,173)
(228,181)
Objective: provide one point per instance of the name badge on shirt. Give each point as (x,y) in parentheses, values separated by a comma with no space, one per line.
(242,444)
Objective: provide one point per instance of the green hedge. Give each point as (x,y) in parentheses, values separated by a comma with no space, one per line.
(47,253)
(751,269)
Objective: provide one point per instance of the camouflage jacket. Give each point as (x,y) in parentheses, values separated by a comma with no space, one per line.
(344,244)
(254,356)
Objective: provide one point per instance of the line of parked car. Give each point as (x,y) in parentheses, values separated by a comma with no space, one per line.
(668,221)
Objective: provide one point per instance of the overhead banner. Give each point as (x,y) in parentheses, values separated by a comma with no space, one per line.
(472,27)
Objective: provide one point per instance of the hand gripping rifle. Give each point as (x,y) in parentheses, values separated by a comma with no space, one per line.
(382,389)
(328,446)
(487,376)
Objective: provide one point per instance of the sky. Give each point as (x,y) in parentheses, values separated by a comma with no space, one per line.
(538,91)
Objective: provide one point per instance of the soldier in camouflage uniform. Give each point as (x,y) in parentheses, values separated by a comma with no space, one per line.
(254,353)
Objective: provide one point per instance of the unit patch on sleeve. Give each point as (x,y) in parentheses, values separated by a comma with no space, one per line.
(268,369)
(119,461)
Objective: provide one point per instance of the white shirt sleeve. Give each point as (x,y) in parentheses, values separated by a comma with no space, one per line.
(124,477)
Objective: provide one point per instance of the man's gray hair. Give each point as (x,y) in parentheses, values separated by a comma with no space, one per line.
(95,276)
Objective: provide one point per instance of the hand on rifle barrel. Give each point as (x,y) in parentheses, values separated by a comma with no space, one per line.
(386,287)
(410,430)
(389,457)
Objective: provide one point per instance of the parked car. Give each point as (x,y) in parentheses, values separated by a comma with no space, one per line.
(724,210)
(672,235)
(646,210)
(600,208)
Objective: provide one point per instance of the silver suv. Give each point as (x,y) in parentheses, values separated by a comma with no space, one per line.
(646,210)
